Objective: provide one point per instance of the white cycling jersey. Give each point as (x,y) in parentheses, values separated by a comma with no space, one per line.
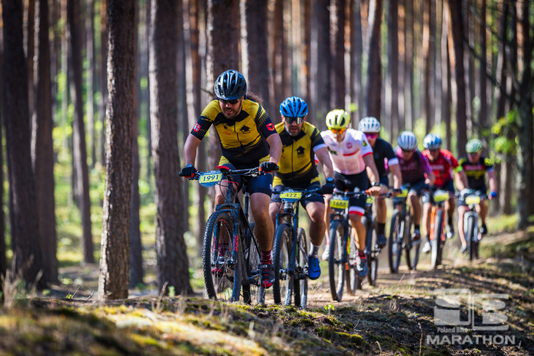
(347,155)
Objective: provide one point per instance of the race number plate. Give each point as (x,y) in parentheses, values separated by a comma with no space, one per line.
(290,196)
(403,193)
(209,179)
(370,200)
(441,196)
(472,199)
(339,203)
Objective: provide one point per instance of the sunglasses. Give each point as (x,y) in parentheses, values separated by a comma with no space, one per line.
(291,120)
(472,153)
(231,102)
(405,151)
(372,136)
(337,131)
(434,149)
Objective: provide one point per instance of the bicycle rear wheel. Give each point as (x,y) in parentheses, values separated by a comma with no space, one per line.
(395,244)
(372,258)
(301,280)
(252,290)
(283,283)
(436,242)
(337,259)
(224,283)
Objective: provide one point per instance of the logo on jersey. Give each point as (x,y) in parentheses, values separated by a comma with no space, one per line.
(270,127)
(196,128)
(245,129)
(364,144)
(349,145)
(332,151)
(300,151)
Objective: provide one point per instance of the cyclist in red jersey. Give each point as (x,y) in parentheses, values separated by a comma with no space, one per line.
(442,163)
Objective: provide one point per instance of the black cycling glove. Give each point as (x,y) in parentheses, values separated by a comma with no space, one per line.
(188,171)
(328,187)
(268,167)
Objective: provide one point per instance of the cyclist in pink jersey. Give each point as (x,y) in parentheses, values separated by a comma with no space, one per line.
(416,172)
(442,163)
(351,153)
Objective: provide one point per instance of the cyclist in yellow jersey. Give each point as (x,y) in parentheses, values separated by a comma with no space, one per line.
(248,139)
(302,141)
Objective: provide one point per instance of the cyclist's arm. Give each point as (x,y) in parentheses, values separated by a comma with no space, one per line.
(275,148)
(430,179)
(324,157)
(397,176)
(461,180)
(190,149)
(372,172)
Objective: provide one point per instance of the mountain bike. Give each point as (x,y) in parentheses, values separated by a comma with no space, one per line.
(230,251)
(472,234)
(371,247)
(437,226)
(342,257)
(400,238)
(290,250)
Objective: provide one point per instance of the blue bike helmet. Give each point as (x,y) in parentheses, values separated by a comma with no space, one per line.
(230,85)
(294,107)
(432,141)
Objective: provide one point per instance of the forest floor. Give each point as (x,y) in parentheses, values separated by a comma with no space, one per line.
(397,317)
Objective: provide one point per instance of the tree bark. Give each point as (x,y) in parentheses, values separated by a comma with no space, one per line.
(114,263)
(194,11)
(338,54)
(446,76)
(461,109)
(306,54)
(79,145)
(30,50)
(373,101)
(91,58)
(103,77)
(393,65)
(257,51)
(42,146)
(483,112)
(3,262)
(324,63)
(136,246)
(278,61)
(408,67)
(26,244)
(173,265)
(428,53)
(356,54)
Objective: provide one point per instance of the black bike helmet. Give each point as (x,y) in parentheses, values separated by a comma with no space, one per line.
(230,85)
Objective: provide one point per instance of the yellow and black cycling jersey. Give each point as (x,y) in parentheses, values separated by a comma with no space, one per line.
(476,172)
(243,138)
(297,164)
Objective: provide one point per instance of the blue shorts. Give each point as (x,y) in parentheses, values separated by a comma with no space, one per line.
(275,197)
(261,184)
(347,182)
(428,197)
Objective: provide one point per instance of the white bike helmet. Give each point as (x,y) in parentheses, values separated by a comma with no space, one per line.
(407,141)
(432,141)
(369,124)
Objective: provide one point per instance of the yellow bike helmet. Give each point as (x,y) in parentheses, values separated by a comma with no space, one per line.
(337,119)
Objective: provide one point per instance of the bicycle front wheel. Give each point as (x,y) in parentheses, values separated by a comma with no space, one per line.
(395,243)
(283,282)
(301,280)
(470,237)
(436,242)
(337,259)
(222,275)
(372,258)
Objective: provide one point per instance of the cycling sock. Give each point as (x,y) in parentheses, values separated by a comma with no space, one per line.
(427,238)
(449,221)
(381,228)
(314,251)
(416,227)
(266,258)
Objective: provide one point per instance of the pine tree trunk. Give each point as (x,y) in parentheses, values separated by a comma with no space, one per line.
(393,65)
(136,246)
(79,145)
(26,244)
(461,108)
(373,101)
(306,54)
(30,50)
(114,263)
(483,112)
(103,77)
(324,63)
(356,54)
(91,58)
(173,265)
(338,54)
(3,262)
(42,146)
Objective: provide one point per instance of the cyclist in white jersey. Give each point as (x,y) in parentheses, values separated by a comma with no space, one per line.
(351,153)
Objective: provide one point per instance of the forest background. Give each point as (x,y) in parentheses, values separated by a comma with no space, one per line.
(98,97)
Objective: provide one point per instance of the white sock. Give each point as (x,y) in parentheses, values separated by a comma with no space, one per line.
(314,251)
